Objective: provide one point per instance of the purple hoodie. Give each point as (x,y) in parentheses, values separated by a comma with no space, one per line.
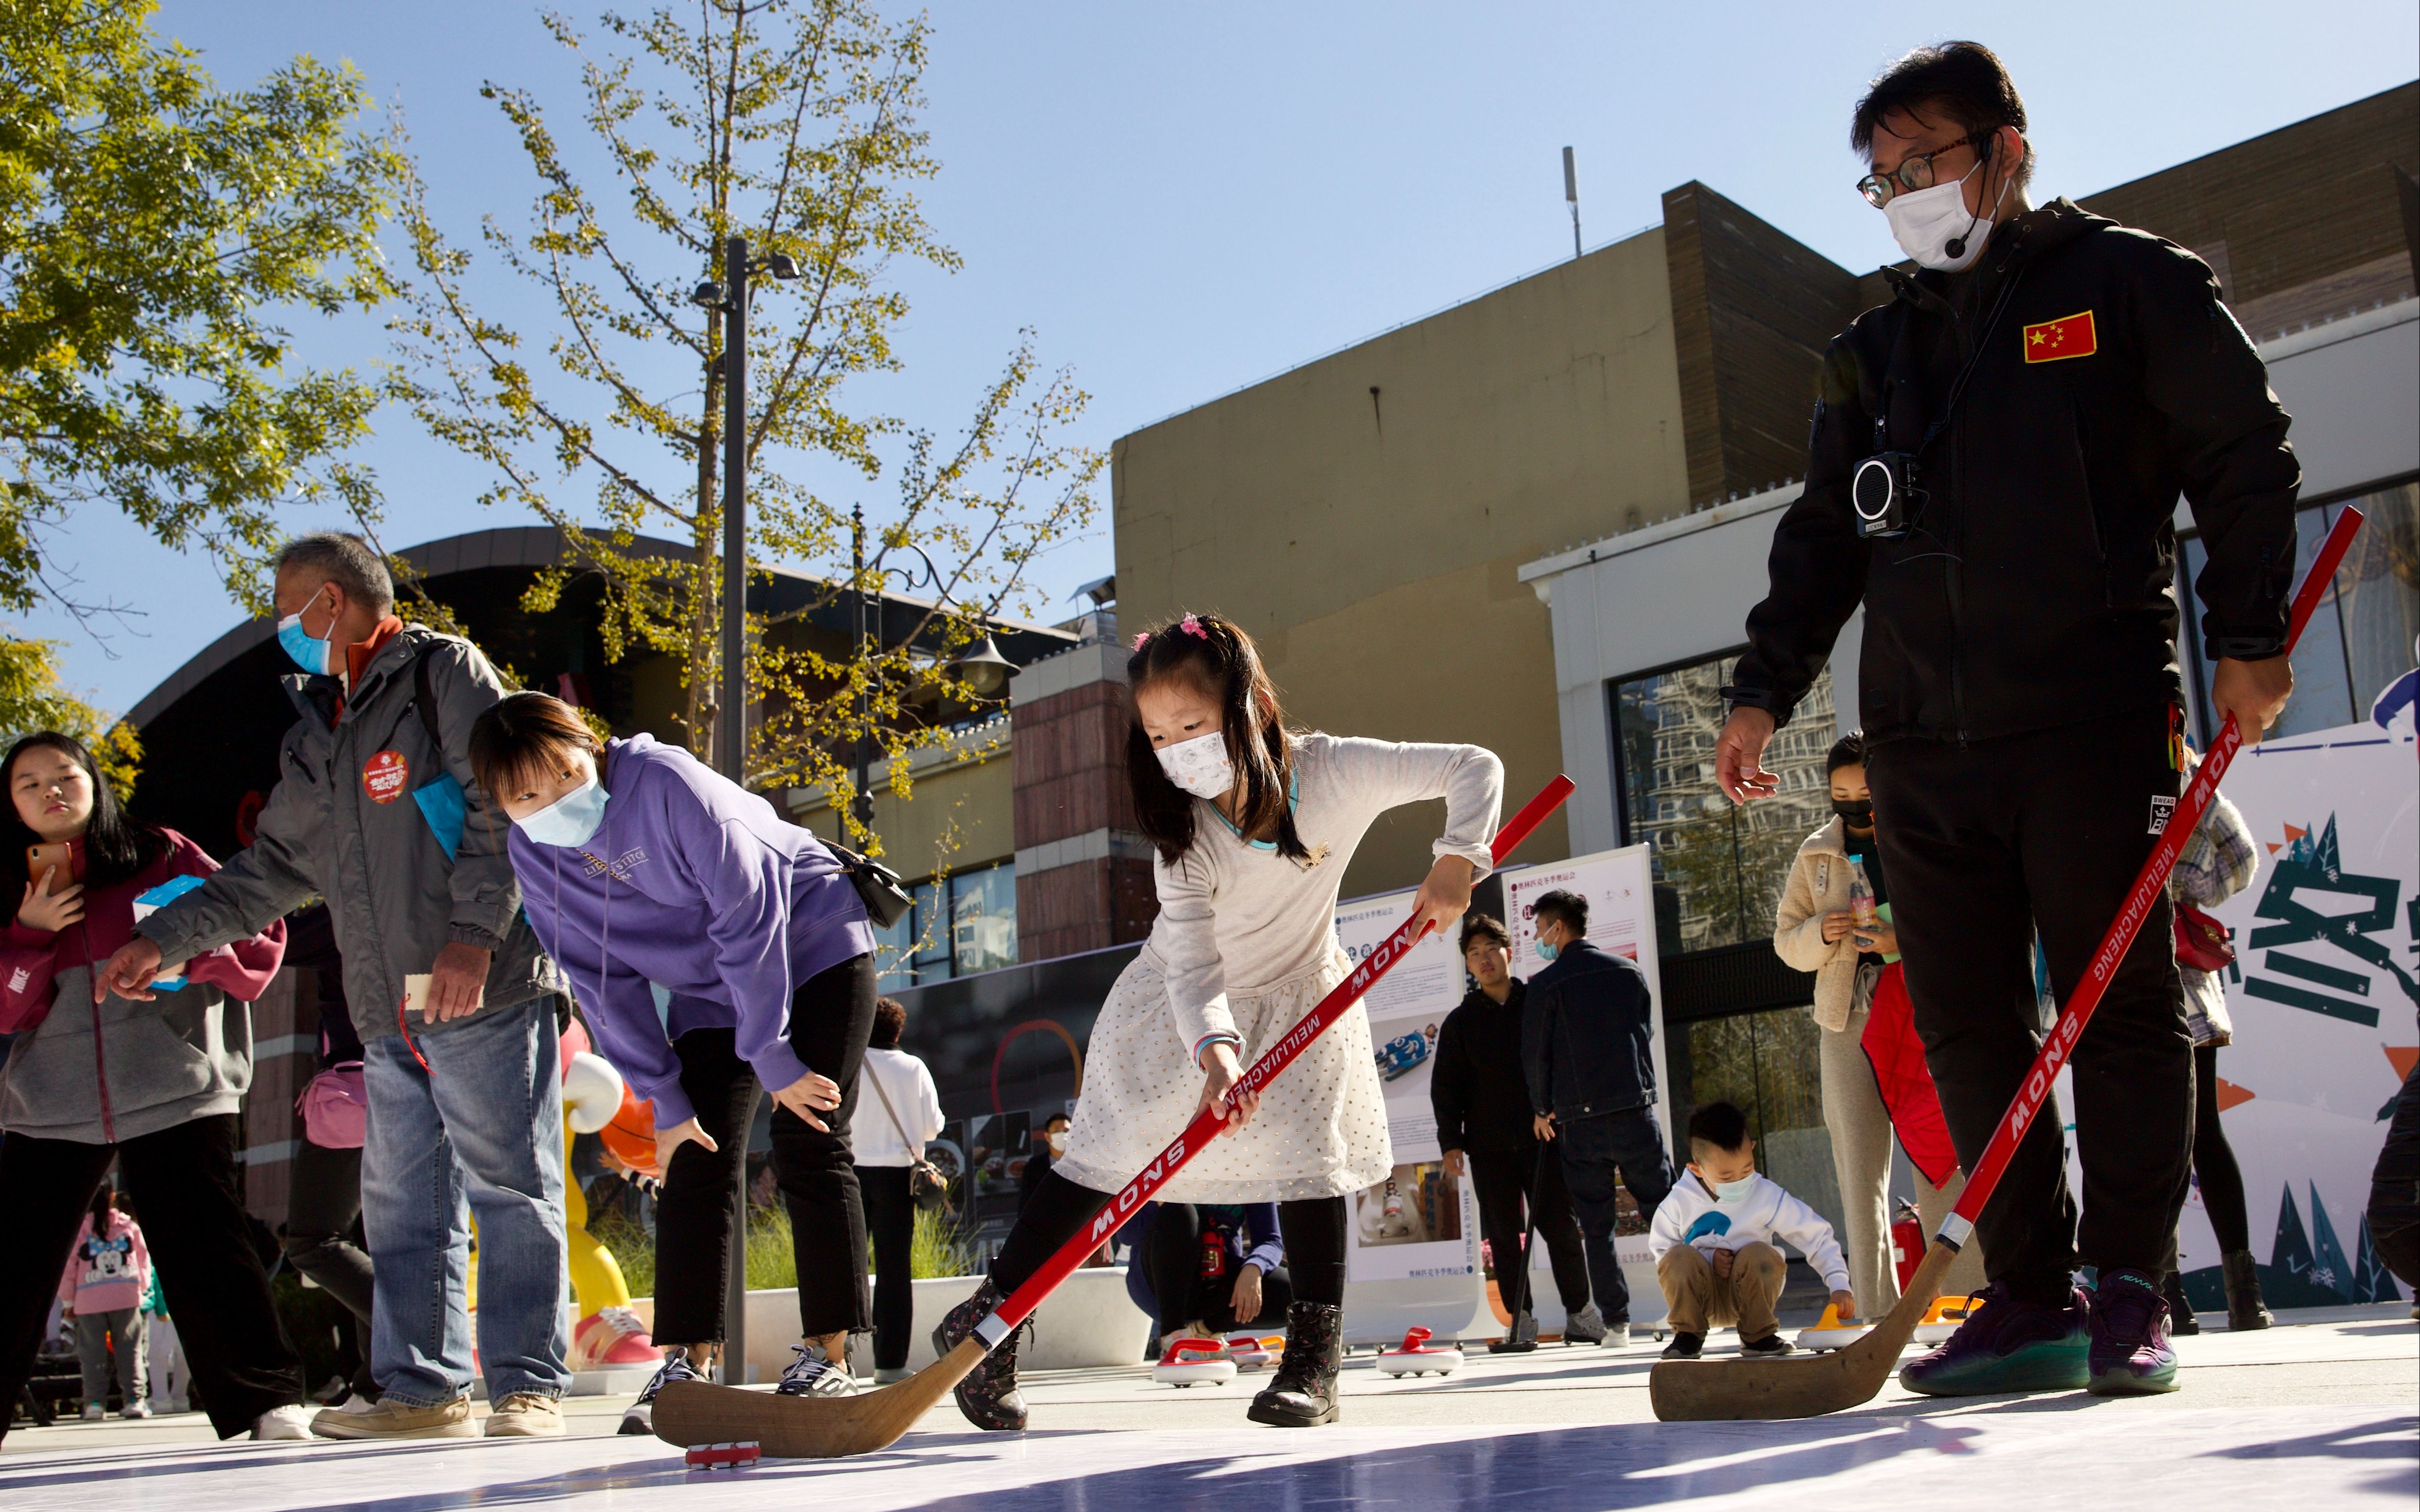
(696,886)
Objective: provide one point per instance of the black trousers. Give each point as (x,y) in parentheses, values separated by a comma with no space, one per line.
(2394,1187)
(1314,1230)
(1596,1149)
(891,1222)
(184,1183)
(323,1210)
(831,1016)
(1173,1256)
(1520,1189)
(1986,845)
(2214,1162)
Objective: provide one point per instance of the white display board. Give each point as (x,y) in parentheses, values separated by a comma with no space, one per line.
(1412,1240)
(2322,996)
(1412,1243)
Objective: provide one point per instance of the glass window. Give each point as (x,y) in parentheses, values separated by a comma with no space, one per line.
(983,918)
(1725,863)
(2360,638)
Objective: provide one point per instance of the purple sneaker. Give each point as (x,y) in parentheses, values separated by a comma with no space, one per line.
(2007,1346)
(2131,1354)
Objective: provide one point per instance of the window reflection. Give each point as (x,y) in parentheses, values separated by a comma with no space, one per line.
(960,923)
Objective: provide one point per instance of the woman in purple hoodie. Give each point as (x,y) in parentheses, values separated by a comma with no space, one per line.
(714,947)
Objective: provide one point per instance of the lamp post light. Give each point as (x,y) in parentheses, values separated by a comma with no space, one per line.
(730,298)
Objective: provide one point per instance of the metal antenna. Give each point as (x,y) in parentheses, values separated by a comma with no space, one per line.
(1572,192)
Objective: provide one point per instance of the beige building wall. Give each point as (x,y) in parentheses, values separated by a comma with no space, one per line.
(955,814)
(1365,516)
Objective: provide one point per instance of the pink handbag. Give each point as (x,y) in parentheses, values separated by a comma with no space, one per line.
(335,1108)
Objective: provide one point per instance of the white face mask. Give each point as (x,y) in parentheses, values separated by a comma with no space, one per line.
(1935,226)
(1199,766)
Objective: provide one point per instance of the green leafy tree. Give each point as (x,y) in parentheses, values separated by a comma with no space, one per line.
(154,228)
(33,698)
(793,124)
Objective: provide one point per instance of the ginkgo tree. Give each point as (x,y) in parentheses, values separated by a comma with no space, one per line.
(597,404)
(155,229)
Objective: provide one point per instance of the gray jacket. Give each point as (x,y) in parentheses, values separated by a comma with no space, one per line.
(342,822)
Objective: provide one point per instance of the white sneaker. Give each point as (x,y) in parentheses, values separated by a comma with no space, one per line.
(1617,1335)
(136,1409)
(810,1373)
(640,1416)
(283,1425)
(93,1412)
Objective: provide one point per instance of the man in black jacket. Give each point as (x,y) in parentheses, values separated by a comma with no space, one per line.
(1587,1053)
(2054,381)
(1484,1121)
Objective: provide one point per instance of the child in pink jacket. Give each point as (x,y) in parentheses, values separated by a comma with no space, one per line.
(102,1287)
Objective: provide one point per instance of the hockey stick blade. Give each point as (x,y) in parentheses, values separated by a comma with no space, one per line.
(808,1427)
(1697,1390)
(691,1412)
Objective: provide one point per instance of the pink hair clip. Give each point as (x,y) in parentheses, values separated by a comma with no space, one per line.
(1142,638)
(1192,627)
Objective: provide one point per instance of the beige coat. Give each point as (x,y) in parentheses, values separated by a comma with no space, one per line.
(1819,884)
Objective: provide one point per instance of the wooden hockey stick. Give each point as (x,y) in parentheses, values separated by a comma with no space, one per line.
(809,1428)
(1700,1390)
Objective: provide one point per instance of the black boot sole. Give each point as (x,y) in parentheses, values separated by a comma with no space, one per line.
(1278,1417)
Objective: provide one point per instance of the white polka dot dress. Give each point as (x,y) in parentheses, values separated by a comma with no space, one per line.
(1246,944)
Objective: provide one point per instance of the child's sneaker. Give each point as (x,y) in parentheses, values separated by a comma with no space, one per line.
(2007,1346)
(1684,1347)
(2130,1352)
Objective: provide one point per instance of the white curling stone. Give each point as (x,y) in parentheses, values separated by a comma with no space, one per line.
(1194,1373)
(1445,1361)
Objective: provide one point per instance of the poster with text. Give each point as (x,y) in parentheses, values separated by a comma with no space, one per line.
(1622,919)
(1421,1220)
(2323,997)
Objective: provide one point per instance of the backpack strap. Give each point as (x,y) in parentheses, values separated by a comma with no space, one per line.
(424,699)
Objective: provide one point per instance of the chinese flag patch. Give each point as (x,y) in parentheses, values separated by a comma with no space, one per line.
(2052,340)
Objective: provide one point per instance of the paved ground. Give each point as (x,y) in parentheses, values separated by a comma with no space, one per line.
(2331,1398)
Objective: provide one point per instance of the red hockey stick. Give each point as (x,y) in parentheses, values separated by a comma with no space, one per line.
(809,1428)
(1729,1389)
(1207,1124)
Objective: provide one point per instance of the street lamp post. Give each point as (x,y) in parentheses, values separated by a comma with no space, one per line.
(730,298)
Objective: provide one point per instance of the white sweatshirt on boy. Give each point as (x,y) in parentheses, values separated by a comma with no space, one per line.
(1691,1214)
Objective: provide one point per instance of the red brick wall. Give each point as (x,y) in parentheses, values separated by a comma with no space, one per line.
(1068,755)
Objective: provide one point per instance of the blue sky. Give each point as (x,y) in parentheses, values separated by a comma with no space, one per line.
(1182,200)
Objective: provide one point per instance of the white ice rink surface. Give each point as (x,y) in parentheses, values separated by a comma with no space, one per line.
(2219,1457)
(2322,1416)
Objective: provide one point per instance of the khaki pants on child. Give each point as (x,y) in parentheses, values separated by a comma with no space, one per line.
(1697,1297)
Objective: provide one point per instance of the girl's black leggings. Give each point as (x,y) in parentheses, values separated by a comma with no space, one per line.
(1314,1230)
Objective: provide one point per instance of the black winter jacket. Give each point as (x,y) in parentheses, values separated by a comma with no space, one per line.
(1586,1036)
(1479,1091)
(2037,588)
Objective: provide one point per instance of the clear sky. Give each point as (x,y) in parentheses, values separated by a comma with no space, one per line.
(1182,200)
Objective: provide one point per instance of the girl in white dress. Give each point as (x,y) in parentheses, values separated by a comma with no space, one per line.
(1254,825)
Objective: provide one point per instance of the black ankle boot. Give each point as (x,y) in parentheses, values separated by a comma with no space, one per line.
(2244,1309)
(2181,1314)
(1303,1395)
(988,1395)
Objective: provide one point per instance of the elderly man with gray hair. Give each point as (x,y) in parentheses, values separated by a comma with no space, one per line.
(375,810)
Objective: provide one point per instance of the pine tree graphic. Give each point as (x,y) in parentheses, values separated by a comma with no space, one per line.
(2332,1271)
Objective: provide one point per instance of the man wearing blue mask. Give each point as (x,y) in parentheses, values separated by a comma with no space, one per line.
(1587,1052)
(374,809)
(1995,462)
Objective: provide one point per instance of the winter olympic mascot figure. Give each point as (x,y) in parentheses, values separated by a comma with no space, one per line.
(1254,825)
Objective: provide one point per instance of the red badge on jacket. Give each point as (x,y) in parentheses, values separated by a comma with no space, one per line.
(2072,336)
(384,776)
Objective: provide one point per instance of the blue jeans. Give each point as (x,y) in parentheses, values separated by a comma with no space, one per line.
(1595,1149)
(483,1122)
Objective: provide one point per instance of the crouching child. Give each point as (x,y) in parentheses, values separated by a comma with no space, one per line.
(1713,1243)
